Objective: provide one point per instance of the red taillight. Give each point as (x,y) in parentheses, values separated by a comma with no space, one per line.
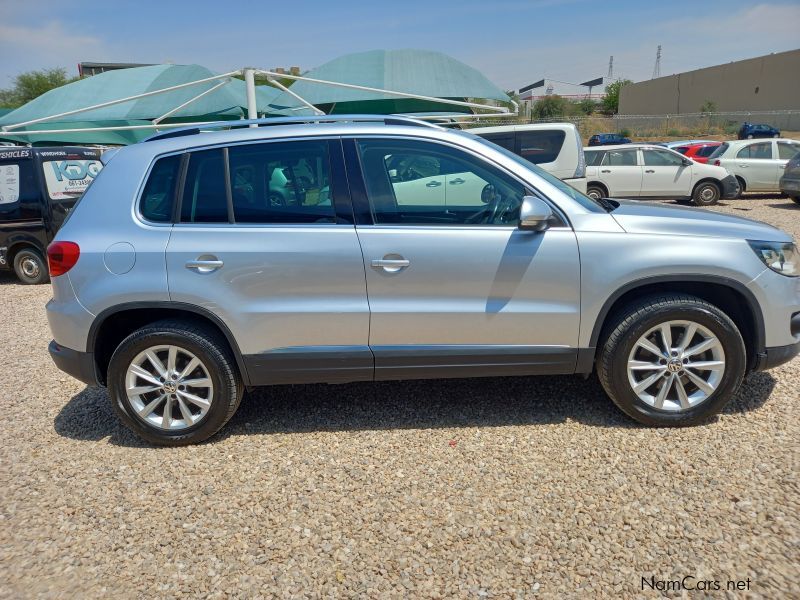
(62,256)
(717,163)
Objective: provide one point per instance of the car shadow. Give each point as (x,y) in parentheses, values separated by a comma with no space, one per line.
(789,204)
(427,404)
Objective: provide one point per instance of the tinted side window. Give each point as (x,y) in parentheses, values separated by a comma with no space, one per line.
(505,140)
(757,151)
(204,197)
(620,158)
(660,158)
(422,183)
(540,146)
(159,191)
(787,150)
(281,182)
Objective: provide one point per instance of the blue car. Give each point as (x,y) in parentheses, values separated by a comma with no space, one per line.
(748,131)
(607,139)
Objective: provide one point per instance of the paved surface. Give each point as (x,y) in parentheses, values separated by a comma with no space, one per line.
(471,488)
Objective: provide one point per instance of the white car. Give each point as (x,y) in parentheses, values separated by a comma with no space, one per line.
(652,171)
(757,164)
(555,147)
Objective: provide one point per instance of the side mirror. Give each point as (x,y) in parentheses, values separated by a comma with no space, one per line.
(534,214)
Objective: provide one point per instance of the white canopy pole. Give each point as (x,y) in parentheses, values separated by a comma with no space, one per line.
(120,101)
(280,86)
(250,84)
(363,88)
(188,102)
(115,128)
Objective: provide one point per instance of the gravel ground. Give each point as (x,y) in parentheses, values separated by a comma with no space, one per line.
(470,488)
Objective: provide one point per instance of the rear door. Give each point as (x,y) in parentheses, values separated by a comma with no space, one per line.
(456,289)
(621,172)
(756,163)
(665,175)
(276,258)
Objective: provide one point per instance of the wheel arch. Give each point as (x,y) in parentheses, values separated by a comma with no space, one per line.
(599,184)
(716,182)
(114,324)
(729,295)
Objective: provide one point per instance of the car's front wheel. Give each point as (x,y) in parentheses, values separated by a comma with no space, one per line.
(672,361)
(174,383)
(706,194)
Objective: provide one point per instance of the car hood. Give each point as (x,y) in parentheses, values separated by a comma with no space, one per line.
(647,217)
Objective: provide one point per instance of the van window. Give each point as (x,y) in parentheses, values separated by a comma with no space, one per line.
(204,197)
(159,191)
(281,182)
(504,140)
(542,146)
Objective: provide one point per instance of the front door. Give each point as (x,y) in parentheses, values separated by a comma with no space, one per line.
(262,245)
(455,289)
(621,173)
(665,175)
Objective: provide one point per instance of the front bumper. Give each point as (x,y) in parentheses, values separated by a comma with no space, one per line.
(79,365)
(773,357)
(730,187)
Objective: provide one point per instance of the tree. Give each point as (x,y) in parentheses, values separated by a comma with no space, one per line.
(587,106)
(611,99)
(709,106)
(550,106)
(33,84)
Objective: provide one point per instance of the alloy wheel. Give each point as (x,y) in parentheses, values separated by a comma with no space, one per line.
(676,365)
(168,387)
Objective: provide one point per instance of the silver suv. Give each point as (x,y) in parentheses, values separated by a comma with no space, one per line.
(182,277)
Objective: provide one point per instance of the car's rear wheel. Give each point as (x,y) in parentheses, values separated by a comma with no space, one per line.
(174,383)
(750,136)
(706,194)
(30,267)
(596,192)
(672,361)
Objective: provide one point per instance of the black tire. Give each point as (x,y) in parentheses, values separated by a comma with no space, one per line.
(706,193)
(205,344)
(636,320)
(742,186)
(30,267)
(596,191)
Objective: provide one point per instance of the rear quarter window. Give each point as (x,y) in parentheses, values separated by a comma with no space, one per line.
(540,146)
(720,150)
(158,197)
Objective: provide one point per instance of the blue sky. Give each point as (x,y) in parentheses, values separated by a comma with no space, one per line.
(512,42)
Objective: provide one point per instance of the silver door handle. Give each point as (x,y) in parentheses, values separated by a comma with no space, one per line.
(650,171)
(433,184)
(743,166)
(392,265)
(204,266)
(456,181)
(606,171)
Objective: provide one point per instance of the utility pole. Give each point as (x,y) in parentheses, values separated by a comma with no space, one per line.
(657,68)
(611,68)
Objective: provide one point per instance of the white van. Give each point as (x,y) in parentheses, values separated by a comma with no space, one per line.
(555,147)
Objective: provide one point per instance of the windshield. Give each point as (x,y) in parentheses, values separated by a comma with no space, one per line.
(570,191)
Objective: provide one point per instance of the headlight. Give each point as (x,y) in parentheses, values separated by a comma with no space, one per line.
(781,257)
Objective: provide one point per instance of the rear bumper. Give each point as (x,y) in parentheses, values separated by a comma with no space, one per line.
(79,365)
(730,187)
(4,258)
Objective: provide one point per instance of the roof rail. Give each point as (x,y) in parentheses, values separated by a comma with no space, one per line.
(385,119)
